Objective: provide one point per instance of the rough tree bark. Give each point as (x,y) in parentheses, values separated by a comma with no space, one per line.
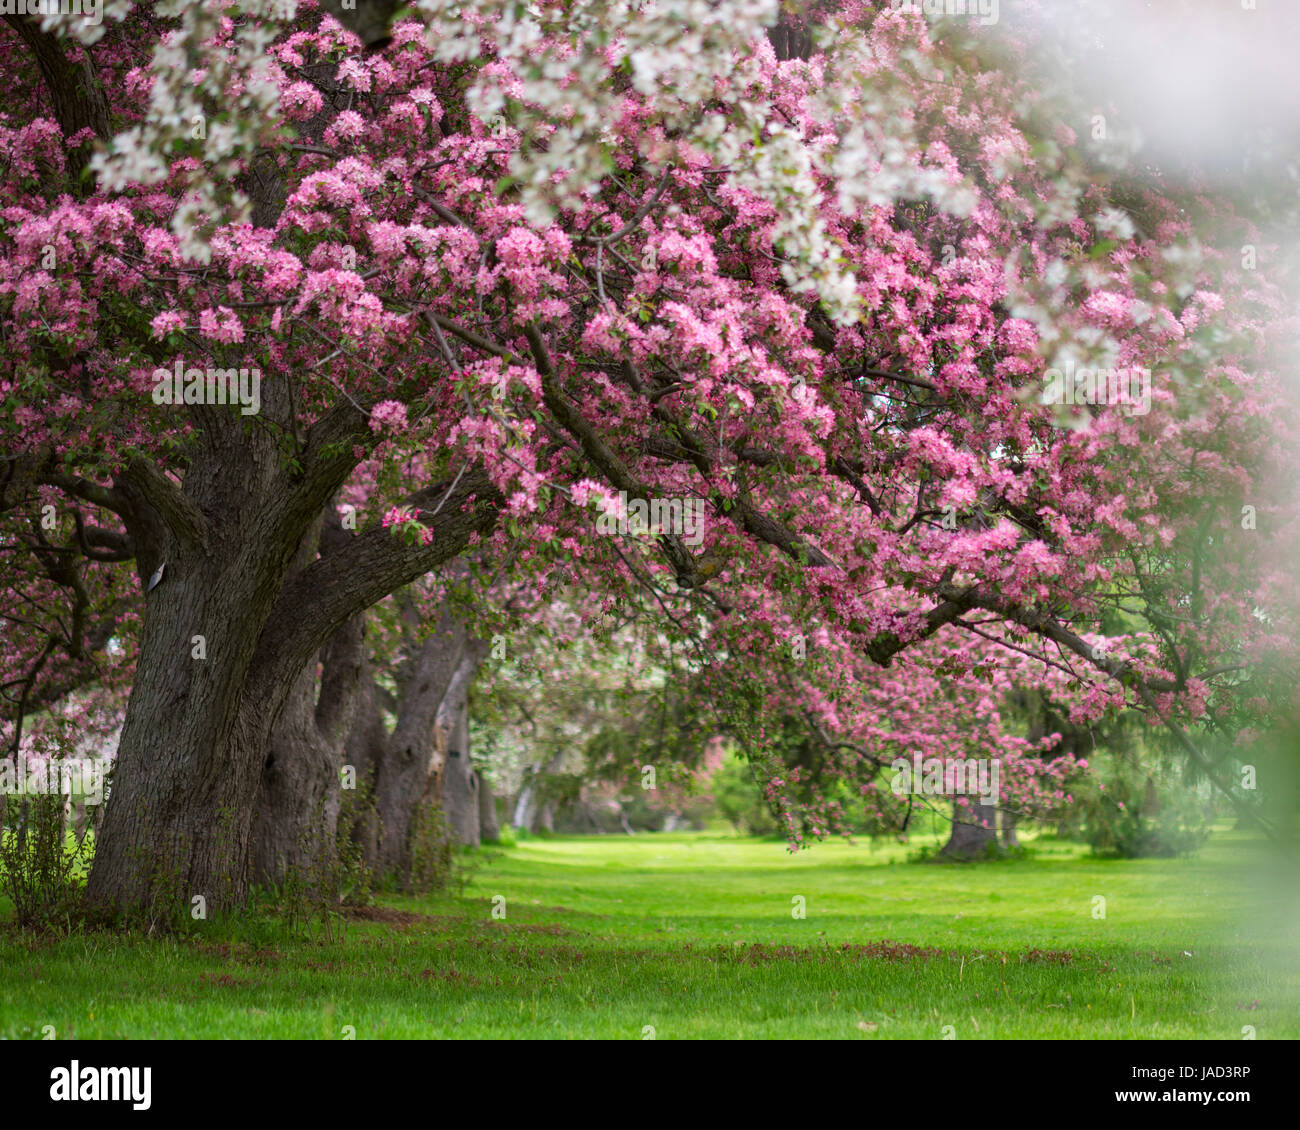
(298,803)
(398,766)
(197,728)
(457,781)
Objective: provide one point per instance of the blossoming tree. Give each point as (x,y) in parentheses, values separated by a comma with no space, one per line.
(512,265)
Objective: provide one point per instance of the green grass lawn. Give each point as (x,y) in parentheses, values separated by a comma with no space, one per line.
(693,935)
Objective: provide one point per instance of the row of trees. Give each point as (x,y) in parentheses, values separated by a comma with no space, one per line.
(497,271)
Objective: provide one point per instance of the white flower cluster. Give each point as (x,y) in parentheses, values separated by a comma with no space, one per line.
(873,106)
(556,86)
(682,58)
(181,110)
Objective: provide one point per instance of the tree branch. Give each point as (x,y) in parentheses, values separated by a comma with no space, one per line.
(178,510)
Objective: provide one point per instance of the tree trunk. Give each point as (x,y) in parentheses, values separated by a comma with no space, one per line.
(489,825)
(198,729)
(198,724)
(1009,837)
(363,754)
(298,805)
(298,801)
(188,767)
(546,816)
(460,800)
(525,807)
(459,782)
(404,762)
(294,804)
(974,831)
(532,810)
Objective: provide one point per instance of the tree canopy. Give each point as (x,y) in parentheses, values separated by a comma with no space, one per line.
(300,307)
